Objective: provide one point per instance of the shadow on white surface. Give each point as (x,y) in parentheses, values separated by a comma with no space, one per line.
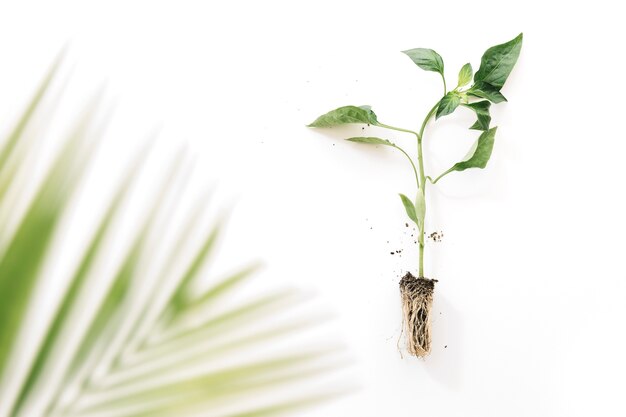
(445,363)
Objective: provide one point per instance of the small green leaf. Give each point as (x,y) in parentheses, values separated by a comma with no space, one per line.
(420,208)
(346,115)
(371,141)
(478,156)
(409,207)
(465,75)
(482,113)
(426,59)
(448,104)
(488,91)
(498,62)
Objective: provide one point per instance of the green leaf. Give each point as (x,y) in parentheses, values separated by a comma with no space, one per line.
(371,141)
(465,75)
(22,259)
(448,104)
(478,156)
(8,145)
(426,59)
(498,62)
(179,298)
(481,153)
(345,115)
(409,207)
(108,322)
(481,108)
(488,91)
(69,300)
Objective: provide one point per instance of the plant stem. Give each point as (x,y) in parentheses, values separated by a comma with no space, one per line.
(445,89)
(399,129)
(417,181)
(420,162)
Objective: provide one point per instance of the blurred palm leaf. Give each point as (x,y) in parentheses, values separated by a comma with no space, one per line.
(131,347)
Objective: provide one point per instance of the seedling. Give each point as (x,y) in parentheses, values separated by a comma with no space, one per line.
(495,66)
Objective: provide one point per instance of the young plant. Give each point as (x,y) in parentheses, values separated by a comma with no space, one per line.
(495,66)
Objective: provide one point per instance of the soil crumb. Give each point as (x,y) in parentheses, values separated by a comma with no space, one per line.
(436,236)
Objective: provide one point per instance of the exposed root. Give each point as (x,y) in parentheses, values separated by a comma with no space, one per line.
(417,300)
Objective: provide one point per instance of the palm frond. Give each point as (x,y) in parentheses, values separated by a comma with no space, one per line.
(120,344)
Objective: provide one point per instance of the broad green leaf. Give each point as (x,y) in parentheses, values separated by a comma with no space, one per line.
(481,108)
(409,207)
(488,91)
(371,141)
(478,156)
(465,75)
(345,115)
(448,104)
(498,61)
(426,59)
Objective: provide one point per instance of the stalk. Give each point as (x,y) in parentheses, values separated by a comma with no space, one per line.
(422,186)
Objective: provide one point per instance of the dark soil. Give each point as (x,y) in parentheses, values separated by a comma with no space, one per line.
(436,236)
(422,286)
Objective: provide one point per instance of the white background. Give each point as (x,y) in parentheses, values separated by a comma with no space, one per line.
(529,310)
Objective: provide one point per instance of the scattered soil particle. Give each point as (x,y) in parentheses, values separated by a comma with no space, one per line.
(436,236)
(406,224)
